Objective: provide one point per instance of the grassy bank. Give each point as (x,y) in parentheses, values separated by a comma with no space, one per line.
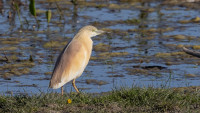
(123,100)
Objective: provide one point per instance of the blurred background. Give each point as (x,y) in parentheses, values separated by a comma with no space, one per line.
(143,48)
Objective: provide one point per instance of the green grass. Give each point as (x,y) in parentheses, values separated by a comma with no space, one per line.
(123,100)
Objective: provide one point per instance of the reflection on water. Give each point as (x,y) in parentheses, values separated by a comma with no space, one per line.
(143,34)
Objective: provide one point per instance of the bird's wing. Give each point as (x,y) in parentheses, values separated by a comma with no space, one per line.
(66,62)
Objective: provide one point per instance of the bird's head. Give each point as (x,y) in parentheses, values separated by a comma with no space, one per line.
(91,30)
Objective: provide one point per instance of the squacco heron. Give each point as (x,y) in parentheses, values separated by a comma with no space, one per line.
(74,58)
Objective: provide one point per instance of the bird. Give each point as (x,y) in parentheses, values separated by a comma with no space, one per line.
(74,58)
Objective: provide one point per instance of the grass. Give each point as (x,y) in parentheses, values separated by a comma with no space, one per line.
(123,100)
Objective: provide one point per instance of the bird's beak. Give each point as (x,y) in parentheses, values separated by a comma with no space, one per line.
(100,32)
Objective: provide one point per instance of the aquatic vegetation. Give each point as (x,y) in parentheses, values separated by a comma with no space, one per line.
(9,48)
(112,54)
(12,58)
(15,72)
(18,10)
(195,20)
(54,44)
(137,71)
(95,82)
(102,47)
(7,75)
(48,73)
(196,47)
(94,58)
(15,68)
(18,65)
(114,6)
(190,75)
(24,70)
(48,15)
(116,76)
(32,10)
(180,46)
(32,7)
(183,21)
(132,21)
(10,42)
(163,54)
(179,37)
(170,54)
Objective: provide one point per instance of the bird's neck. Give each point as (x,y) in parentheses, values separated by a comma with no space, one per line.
(83,37)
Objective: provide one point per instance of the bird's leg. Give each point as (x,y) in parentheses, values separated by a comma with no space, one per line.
(62,90)
(73,83)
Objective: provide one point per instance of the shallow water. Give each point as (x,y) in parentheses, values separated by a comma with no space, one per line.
(142,29)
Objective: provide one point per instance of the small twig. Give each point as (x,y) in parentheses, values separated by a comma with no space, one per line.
(5,56)
(191,52)
(59,10)
(38,23)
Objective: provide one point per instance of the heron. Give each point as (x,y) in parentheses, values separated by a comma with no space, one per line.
(74,58)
